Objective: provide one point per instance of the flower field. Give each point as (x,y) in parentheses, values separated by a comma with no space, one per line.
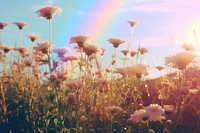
(43,89)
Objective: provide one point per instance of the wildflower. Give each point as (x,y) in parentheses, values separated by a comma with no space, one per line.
(71,98)
(154,109)
(159,68)
(48,11)
(60,51)
(28,63)
(3,25)
(168,123)
(125,52)
(142,50)
(155,112)
(5,48)
(188,47)
(132,22)
(62,75)
(69,58)
(42,46)
(102,51)
(24,51)
(33,37)
(53,77)
(184,90)
(20,25)
(113,61)
(113,109)
(138,116)
(76,84)
(133,53)
(90,49)
(80,40)
(151,131)
(132,70)
(116,42)
(181,60)
(108,70)
(55,65)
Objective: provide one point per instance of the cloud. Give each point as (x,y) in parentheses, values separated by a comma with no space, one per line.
(36,7)
(170,6)
(82,13)
(49,2)
(179,14)
(157,41)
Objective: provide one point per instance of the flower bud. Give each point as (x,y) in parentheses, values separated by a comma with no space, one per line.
(184,90)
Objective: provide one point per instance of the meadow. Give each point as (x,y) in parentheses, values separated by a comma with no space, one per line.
(44,89)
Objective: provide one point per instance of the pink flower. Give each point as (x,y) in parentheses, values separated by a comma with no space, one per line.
(33,37)
(116,42)
(20,25)
(180,60)
(61,51)
(48,11)
(142,50)
(24,51)
(90,49)
(125,52)
(188,47)
(132,70)
(62,75)
(138,116)
(154,110)
(43,47)
(3,25)
(55,64)
(69,58)
(80,40)
(132,22)
(159,68)
(5,48)
(133,53)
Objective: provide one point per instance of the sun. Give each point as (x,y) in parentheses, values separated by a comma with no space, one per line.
(192,35)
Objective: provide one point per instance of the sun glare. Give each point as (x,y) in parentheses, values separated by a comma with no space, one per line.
(192,35)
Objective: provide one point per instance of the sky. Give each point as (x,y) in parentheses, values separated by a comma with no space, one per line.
(163,25)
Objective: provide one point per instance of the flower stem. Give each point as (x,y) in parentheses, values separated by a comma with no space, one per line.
(1,42)
(20,38)
(128,47)
(179,103)
(49,51)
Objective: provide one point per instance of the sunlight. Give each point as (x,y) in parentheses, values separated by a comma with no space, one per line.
(192,35)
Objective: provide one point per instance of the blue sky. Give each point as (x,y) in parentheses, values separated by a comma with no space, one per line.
(163,26)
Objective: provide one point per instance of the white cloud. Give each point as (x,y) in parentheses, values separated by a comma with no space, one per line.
(36,7)
(170,6)
(157,41)
(82,13)
(49,2)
